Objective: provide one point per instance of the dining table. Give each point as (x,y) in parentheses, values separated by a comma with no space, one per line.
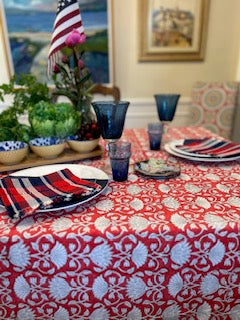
(143,249)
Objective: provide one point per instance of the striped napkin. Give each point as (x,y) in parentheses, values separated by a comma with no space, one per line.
(211,146)
(24,195)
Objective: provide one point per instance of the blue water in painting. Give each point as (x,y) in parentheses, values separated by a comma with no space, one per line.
(32,22)
(43,21)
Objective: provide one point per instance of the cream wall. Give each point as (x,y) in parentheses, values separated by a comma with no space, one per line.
(139,81)
(144,79)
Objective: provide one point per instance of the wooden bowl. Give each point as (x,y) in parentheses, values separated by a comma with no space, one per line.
(83,146)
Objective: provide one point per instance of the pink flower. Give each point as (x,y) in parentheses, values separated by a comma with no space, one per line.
(81,64)
(74,38)
(56,69)
(65,59)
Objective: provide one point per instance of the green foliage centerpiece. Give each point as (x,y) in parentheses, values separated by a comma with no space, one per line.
(33,99)
(25,91)
(71,78)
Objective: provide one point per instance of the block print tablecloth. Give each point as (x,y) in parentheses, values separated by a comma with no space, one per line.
(146,249)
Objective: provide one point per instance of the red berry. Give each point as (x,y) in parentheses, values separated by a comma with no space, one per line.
(88,135)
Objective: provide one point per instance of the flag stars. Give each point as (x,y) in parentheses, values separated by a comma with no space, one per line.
(61,4)
(64,3)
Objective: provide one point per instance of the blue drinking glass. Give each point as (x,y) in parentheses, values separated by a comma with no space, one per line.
(119,154)
(111,118)
(166,107)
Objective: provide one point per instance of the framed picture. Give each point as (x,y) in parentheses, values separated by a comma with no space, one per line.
(30,30)
(5,42)
(172,30)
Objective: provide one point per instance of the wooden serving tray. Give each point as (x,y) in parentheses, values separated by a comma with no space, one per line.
(68,155)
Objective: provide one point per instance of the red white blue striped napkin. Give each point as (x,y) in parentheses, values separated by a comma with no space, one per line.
(25,195)
(210,146)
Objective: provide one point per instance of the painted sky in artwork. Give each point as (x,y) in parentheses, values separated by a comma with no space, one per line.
(29,4)
(44,5)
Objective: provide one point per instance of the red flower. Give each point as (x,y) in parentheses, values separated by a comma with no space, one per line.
(74,38)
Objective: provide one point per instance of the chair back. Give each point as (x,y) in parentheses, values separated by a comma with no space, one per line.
(235,135)
(213,106)
(105,90)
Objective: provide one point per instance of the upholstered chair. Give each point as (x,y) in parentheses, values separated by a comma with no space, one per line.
(235,136)
(214,105)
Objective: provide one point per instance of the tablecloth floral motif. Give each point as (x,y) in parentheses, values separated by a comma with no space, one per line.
(145,250)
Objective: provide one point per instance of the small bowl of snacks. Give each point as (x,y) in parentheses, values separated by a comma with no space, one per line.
(82,146)
(12,152)
(47,147)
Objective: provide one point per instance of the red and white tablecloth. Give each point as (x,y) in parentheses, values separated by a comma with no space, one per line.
(146,249)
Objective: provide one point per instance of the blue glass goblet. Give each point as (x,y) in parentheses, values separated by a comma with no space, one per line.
(111,118)
(166,107)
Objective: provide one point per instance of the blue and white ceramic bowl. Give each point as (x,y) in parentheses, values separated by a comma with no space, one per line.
(12,152)
(11,145)
(47,147)
(45,141)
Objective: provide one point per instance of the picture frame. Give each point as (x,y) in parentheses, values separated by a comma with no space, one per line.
(172,30)
(34,38)
(7,60)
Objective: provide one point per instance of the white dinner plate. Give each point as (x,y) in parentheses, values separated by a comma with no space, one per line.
(176,143)
(210,146)
(171,149)
(81,171)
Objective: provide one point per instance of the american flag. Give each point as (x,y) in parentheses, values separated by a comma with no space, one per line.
(68,18)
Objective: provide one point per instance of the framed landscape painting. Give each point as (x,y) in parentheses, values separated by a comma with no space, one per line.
(30,26)
(6,58)
(172,30)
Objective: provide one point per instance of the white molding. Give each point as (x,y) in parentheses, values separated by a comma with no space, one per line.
(141,111)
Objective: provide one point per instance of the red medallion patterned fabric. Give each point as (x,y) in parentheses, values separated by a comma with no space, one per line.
(213,105)
(145,249)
